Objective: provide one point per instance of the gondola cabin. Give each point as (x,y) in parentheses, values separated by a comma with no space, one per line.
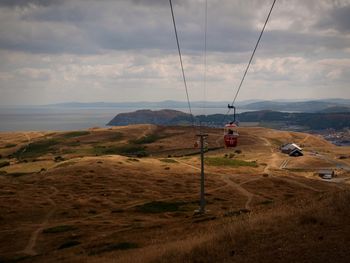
(230,135)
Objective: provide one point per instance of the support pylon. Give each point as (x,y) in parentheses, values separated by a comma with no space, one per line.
(202,188)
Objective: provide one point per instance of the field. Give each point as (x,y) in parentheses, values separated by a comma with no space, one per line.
(128,194)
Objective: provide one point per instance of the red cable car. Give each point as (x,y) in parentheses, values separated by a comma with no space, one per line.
(230,131)
(230,135)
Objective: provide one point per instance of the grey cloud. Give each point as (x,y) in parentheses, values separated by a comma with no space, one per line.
(337,18)
(14,3)
(101,49)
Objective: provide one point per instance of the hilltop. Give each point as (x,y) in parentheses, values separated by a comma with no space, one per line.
(127,194)
(161,117)
(266,118)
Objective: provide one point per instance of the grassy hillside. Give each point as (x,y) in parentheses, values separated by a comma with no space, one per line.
(90,196)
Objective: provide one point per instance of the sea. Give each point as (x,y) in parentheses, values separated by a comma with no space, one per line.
(64,119)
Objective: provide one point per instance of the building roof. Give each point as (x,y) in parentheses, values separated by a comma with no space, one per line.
(292,152)
(290,147)
(326,171)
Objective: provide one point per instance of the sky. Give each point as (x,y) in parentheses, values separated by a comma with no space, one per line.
(55,51)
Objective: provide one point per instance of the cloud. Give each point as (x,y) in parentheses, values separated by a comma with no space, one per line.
(125,50)
(23,3)
(337,19)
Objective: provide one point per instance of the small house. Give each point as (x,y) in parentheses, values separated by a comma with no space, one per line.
(296,153)
(326,174)
(292,149)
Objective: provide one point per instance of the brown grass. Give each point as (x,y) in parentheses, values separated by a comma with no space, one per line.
(100,198)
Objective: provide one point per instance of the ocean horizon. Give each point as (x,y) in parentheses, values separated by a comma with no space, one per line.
(64,119)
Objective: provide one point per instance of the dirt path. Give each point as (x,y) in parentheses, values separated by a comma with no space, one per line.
(296,182)
(147,131)
(30,247)
(227,179)
(305,139)
(29,140)
(273,163)
(240,189)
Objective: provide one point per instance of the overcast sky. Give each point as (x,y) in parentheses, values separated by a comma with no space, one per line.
(125,50)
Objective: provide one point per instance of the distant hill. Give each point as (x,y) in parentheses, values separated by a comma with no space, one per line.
(275,105)
(161,117)
(308,121)
(301,106)
(336,109)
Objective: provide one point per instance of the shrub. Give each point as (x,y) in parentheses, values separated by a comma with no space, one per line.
(147,139)
(10,145)
(75,134)
(113,246)
(59,159)
(127,150)
(4,164)
(159,207)
(36,149)
(59,229)
(69,243)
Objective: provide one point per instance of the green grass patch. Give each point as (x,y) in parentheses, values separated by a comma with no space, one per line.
(73,144)
(75,134)
(127,150)
(113,247)
(116,136)
(4,164)
(167,160)
(69,243)
(36,149)
(159,207)
(59,229)
(148,139)
(220,161)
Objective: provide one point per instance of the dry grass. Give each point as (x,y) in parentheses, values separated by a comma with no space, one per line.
(111,208)
(284,235)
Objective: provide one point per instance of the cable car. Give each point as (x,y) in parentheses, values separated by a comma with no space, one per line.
(230,131)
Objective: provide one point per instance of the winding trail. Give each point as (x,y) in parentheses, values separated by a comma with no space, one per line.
(227,179)
(30,247)
(240,189)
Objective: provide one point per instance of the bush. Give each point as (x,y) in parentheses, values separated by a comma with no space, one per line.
(59,229)
(10,145)
(69,243)
(75,134)
(127,150)
(148,139)
(112,247)
(159,207)
(4,164)
(59,159)
(36,149)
